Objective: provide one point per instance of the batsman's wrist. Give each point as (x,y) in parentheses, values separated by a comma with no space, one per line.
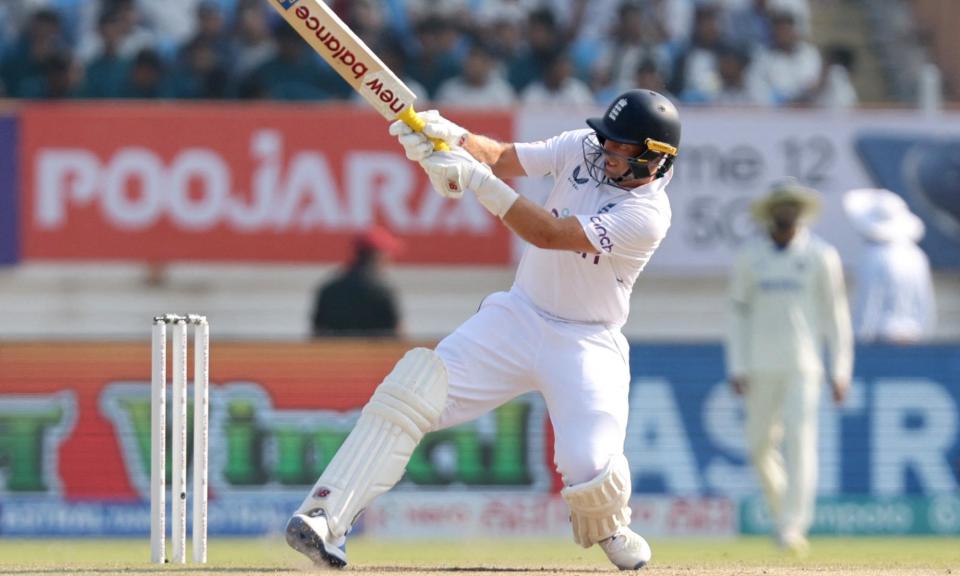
(493,193)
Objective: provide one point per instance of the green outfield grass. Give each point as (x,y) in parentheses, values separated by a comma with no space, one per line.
(688,557)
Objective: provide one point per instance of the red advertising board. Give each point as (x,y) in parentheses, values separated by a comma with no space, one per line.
(230,182)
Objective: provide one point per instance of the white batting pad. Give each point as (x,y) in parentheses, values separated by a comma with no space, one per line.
(374,456)
(600,506)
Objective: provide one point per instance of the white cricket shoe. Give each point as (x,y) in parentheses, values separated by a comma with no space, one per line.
(627,549)
(795,543)
(310,535)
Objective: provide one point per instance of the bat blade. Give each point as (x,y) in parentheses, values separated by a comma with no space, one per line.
(347,54)
(352,59)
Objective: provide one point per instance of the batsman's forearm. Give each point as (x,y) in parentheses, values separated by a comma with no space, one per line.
(499,156)
(538,227)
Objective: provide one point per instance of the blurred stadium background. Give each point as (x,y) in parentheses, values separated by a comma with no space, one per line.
(192,155)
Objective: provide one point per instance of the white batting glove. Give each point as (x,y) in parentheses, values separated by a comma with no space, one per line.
(440,128)
(455,171)
(415,145)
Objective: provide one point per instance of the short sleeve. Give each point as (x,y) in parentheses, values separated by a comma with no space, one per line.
(633,231)
(545,157)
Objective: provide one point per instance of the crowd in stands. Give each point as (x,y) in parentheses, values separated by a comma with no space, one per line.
(470,53)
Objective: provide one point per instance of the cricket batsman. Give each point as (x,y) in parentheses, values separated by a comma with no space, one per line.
(555,332)
(787,299)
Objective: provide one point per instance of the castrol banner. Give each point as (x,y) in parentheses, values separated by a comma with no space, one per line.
(230,182)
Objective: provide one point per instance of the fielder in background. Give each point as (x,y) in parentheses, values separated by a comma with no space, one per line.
(555,332)
(894,300)
(787,297)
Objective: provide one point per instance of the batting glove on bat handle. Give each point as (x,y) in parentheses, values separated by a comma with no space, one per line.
(410,117)
(453,172)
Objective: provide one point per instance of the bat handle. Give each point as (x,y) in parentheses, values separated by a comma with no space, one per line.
(410,118)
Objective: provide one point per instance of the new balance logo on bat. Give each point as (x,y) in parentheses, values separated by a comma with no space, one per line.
(375,83)
(336,46)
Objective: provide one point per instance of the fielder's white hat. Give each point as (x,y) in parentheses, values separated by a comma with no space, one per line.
(881,215)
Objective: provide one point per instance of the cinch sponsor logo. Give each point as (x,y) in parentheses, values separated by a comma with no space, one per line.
(338,50)
(287,4)
(605,242)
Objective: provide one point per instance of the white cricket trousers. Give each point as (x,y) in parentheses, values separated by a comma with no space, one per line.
(782,412)
(508,348)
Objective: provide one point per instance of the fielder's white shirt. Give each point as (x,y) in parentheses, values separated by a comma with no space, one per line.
(624,226)
(785,304)
(894,298)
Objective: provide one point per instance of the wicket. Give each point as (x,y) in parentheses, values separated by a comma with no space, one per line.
(158,437)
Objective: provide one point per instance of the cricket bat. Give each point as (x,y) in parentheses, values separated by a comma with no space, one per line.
(353,60)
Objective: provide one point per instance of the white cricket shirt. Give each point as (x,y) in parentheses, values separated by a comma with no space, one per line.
(894,298)
(624,226)
(785,304)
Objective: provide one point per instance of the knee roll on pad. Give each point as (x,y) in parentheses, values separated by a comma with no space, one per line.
(599,506)
(374,456)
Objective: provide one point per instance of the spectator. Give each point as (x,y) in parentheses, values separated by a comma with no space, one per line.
(293,73)
(583,22)
(791,66)
(635,38)
(134,36)
(41,40)
(558,87)
(647,76)
(894,299)
(108,71)
(674,19)
(252,43)
(835,89)
(449,11)
(542,41)
(358,302)
(201,73)
(365,18)
(695,70)
(739,85)
(787,298)
(480,85)
(492,13)
(750,23)
(147,78)
(172,22)
(394,55)
(435,61)
(504,31)
(211,31)
(61,78)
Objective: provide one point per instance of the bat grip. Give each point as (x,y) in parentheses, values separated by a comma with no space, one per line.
(410,118)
